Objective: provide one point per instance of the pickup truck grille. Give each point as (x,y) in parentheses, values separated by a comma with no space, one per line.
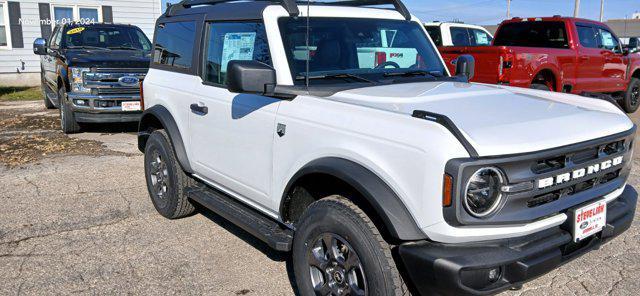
(107,81)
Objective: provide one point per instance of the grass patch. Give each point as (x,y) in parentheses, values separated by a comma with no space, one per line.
(20,93)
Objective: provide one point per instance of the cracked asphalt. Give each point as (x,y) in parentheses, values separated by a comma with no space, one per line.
(82,223)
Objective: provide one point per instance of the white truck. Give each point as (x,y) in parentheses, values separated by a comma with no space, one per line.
(384,179)
(458,34)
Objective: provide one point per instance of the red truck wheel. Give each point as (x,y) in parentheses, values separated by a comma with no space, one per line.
(632,96)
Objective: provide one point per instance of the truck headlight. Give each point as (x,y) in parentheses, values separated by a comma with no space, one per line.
(76,79)
(482,195)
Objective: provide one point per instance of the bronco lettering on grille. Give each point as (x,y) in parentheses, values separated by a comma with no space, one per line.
(579,173)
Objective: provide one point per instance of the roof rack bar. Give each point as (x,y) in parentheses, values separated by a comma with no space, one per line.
(397,4)
(289,5)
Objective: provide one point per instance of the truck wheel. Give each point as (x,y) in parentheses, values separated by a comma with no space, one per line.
(68,122)
(540,86)
(337,250)
(631,99)
(47,102)
(166,181)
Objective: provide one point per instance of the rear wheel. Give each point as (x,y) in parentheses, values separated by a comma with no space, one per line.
(631,99)
(540,86)
(68,122)
(337,250)
(166,181)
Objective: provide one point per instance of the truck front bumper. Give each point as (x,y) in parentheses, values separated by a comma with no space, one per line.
(88,108)
(489,267)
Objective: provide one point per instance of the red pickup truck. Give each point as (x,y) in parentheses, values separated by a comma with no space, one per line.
(561,54)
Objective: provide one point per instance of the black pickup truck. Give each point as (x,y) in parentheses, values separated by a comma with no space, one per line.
(92,72)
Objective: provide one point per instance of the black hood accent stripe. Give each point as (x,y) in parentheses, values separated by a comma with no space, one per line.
(448,124)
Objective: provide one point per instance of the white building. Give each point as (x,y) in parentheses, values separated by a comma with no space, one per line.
(21,22)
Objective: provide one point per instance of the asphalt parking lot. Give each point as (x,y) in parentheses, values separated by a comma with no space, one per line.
(76,218)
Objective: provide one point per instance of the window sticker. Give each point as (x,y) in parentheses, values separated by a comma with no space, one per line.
(481,38)
(237,46)
(607,39)
(75,30)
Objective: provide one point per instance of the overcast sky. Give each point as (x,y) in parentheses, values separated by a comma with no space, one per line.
(493,11)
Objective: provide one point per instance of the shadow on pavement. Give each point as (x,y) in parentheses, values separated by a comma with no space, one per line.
(124,127)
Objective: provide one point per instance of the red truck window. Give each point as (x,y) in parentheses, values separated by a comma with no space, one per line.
(588,36)
(533,34)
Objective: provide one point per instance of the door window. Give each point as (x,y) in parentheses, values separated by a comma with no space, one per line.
(56,38)
(460,36)
(174,44)
(588,36)
(233,41)
(434,33)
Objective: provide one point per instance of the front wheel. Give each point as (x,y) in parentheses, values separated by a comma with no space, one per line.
(631,99)
(337,250)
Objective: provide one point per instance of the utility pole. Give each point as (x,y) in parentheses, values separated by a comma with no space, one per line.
(508,9)
(576,10)
(601,10)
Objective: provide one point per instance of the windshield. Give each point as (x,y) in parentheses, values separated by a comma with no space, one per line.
(363,47)
(106,37)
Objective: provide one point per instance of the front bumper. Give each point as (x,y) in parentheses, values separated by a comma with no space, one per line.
(462,269)
(103,108)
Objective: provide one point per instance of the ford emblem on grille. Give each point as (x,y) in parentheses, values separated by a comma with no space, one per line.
(128,81)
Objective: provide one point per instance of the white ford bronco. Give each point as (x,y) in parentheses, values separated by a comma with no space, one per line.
(335,132)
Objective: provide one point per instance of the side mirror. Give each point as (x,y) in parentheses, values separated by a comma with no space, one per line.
(40,46)
(465,66)
(251,77)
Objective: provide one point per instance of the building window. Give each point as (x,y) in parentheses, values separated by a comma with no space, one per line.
(62,14)
(88,15)
(4,26)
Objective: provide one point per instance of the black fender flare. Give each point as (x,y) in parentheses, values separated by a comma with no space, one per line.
(384,201)
(162,115)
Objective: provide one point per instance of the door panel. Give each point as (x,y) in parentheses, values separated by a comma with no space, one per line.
(615,67)
(590,61)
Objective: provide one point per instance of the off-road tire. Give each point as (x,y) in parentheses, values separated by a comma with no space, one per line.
(47,103)
(338,215)
(631,99)
(175,204)
(68,122)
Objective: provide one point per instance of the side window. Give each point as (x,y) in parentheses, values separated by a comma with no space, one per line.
(56,38)
(233,41)
(588,36)
(480,38)
(174,44)
(608,40)
(434,33)
(460,36)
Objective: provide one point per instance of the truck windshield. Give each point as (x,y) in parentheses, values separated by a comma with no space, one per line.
(106,37)
(343,48)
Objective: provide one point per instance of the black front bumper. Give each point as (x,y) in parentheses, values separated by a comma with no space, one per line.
(462,269)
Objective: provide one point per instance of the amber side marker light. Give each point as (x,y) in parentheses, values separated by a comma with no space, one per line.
(141,97)
(447,190)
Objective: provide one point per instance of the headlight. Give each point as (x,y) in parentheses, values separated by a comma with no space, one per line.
(76,78)
(482,194)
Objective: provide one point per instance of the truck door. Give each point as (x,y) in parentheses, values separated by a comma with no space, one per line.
(231,135)
(590,60)
(615,64)
(49,60)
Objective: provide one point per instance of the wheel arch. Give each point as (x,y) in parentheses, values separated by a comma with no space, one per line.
(158,117)
(371,193)
(548,74)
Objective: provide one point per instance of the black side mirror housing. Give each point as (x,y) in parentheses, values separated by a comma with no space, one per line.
(250,77)
(40,46)
(465,66)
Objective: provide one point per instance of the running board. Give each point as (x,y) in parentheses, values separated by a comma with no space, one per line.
(262,227)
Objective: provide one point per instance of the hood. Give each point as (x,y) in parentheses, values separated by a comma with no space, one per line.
(108,58)
(499,120)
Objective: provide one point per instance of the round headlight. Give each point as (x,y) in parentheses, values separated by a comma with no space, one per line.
(482,193)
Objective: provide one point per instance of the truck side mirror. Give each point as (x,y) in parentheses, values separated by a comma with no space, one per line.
(40,46)
(465,66)
(251,77)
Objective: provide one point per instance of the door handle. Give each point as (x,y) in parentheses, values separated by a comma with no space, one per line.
(198,109)
(584,59)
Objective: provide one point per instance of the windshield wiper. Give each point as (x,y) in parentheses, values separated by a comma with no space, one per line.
(123,47)
(411,73)
(330,76)
(87,47)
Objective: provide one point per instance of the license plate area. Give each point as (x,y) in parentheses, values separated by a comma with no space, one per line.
(130,106)
(588,219)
